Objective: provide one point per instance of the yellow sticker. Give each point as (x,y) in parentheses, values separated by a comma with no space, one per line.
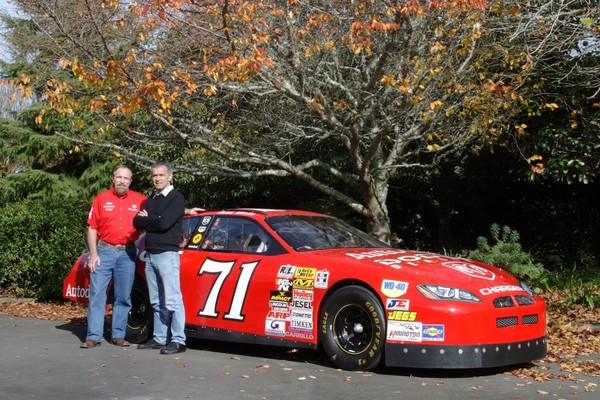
(196,239)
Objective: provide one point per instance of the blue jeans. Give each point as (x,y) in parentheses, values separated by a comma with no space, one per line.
(118,265)
(162,276)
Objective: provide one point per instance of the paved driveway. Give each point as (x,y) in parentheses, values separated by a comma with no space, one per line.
(42,360)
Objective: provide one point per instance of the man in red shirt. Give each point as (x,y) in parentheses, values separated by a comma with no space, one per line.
(110,240)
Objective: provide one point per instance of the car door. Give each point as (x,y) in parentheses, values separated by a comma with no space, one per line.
(228,275)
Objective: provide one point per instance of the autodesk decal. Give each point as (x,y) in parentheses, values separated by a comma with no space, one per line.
(78,292)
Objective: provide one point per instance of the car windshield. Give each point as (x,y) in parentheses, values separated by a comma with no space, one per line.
(304,233)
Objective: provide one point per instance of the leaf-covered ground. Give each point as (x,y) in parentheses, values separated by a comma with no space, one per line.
(573,336)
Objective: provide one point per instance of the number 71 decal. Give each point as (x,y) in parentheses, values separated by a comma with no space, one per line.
(222,269)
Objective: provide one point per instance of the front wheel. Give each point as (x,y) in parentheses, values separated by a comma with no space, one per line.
(140,321)
(352,328)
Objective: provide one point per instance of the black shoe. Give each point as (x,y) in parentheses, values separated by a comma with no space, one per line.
(173,348)
(151,345)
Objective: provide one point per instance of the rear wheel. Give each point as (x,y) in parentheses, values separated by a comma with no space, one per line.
(352,324)
(139,323)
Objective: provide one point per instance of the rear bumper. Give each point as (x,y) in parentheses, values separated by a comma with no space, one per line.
(464,356)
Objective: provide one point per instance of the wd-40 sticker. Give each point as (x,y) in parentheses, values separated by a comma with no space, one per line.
(398,331)
(433,332)
(470,269)
(393,288)
(397,304)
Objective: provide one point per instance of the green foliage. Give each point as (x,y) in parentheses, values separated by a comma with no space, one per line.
(39,241)
(506,253)
(580,285)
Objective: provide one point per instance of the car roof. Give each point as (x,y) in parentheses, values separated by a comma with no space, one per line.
(267,212)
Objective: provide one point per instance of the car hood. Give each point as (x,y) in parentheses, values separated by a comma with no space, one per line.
(421,267)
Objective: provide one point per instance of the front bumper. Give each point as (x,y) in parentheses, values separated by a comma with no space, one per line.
(464,356)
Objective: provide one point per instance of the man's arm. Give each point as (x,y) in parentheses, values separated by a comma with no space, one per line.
(174,210)
(141,220)
(92,242)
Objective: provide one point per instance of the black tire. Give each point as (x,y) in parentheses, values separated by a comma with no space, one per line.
(352,328)
(140,321)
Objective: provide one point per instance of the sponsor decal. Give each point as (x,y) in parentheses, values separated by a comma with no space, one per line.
(286,271)
(197,238)
(433,332)
(281,295)
(374,253)
(402,315)
(300,335)
(305,273)
(399,258)
(397,304)
(283,284)
(305,326)
(305,305)
(470,269)
(404,331)
(304,284)
(274,327)
(393,288)
(302,315)
(284,315)
(279,305)
(205,220)
(303,294)
(201,229)
(322,279)
(77,291)
(500,289)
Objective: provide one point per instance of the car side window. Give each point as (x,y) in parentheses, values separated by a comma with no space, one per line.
(188,227)
(237,235)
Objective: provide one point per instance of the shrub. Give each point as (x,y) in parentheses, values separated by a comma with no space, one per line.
(507,253)
(39,241)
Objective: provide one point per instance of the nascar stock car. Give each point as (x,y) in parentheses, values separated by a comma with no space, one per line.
(308,280)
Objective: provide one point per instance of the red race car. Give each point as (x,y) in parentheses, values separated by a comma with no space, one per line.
(303,279)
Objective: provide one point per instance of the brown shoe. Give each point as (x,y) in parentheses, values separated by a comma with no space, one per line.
(90,344)
(120,342)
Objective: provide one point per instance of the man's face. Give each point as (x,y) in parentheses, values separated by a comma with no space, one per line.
(122,180)
(161,178)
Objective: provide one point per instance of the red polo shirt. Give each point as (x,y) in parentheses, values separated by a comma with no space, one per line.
(112,216)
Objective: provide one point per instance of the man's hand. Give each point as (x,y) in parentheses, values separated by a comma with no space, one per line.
(142,213)
(93,262)
(193,210)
